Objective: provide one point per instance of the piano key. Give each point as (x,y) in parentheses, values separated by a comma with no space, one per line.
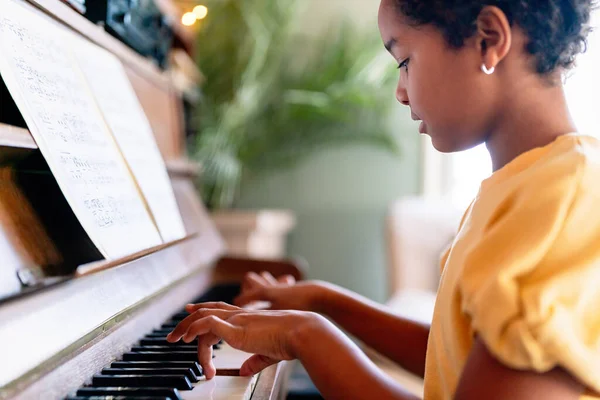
(222,388)
(181,347)
(117,398)
(158,356)
(166,331)
(170,393)
(162,341)
(159,334)
(193,365)
(166,381)
(153,337)
(187,372)
(229,358)
(180,315)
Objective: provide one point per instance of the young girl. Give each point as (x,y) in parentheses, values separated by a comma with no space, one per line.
(518,308)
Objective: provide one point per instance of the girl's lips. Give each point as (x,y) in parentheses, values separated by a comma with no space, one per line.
(422,127)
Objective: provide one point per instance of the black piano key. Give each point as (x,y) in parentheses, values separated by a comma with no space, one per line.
(169,393)
(169,325)
(164,338)
(193,365)
(187,372)
(181,347)
(159,333)
(180,315)
(162,341)
(166,331)
(117,398)
(166,381)
(159,356)
(223,292)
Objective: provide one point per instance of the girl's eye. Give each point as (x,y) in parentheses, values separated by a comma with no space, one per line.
(404,63)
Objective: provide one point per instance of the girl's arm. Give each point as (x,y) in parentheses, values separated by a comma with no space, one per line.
(484,377)
(400,339)
(339,369)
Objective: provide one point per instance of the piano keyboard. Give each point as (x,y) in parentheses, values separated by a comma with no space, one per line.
(157,369)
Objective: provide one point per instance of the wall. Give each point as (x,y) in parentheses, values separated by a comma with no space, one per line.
(340,196)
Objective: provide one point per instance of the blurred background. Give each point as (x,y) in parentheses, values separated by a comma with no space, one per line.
(306,153)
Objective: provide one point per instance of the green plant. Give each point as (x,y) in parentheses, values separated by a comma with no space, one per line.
(272,96)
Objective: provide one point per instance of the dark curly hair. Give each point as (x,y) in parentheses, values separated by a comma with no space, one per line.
(557,29)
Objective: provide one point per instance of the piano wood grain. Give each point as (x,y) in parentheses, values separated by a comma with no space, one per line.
(15,143)
(13,136)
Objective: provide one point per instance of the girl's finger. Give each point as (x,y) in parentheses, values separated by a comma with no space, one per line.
(216,326)
(255,364)
(270,279)
(287,279)
(205,351)
(185,324)
(253,279)
(250,296)
(211,304)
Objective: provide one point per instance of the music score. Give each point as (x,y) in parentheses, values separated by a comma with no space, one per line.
(39,69)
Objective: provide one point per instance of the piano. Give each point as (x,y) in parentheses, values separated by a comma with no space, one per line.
(97,331)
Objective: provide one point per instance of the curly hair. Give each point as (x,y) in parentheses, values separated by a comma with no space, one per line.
(557,29)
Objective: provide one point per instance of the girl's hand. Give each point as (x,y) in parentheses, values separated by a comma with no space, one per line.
(282,294)
(268,334)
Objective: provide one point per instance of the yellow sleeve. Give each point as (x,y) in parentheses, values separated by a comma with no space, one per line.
(531,285)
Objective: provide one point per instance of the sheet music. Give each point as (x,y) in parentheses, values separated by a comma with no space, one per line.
(131,129)
(40,72)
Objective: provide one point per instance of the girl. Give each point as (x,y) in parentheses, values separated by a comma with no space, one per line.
(517,314)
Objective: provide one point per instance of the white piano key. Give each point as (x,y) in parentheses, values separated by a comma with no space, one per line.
(221,388)
(229,358)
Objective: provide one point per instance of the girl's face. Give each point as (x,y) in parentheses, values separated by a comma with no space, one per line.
(444,87)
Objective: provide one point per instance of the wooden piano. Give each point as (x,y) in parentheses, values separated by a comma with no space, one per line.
(70,334)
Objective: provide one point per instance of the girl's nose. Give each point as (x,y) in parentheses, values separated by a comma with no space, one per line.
(402,95)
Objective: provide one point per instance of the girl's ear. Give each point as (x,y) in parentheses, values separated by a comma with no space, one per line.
(493,36)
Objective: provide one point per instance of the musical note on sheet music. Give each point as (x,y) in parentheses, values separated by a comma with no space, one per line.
(41,74)
(131,129)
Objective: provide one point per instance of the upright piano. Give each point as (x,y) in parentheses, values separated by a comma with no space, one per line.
(98,331)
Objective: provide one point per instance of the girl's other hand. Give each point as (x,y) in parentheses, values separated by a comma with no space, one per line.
(270,335)
(282,293)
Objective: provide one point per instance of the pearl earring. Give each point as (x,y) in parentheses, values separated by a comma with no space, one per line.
(486,70)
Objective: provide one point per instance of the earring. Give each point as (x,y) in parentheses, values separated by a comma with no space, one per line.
(486,70)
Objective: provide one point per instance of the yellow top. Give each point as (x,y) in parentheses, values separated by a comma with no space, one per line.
(523,272)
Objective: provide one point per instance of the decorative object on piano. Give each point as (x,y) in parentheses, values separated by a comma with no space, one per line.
(272,98)
(260,234)
(140,24)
